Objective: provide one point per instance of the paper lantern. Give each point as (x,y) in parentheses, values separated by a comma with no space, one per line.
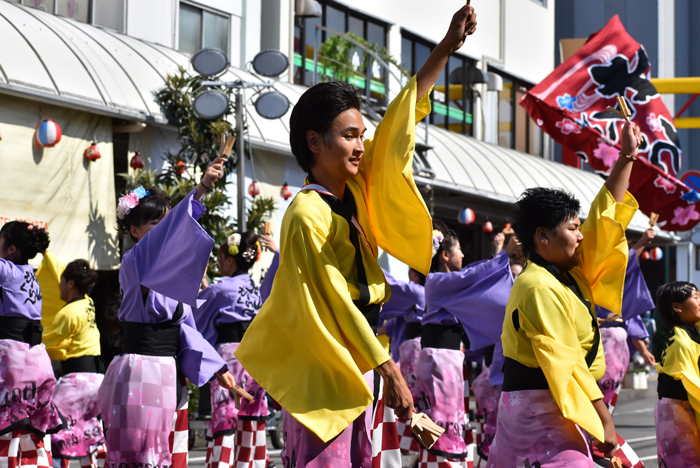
(137,161)
(466,216)
(48,134)
(180,168)
(657,254)
(285,192)
(254,189)
(92,152)
(645,255)
(488,227)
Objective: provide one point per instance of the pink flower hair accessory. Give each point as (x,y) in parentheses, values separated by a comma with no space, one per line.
(130,201)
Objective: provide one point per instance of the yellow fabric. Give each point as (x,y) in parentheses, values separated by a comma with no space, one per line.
(385,341)
(309,345)
(556,329)
(680,361)
(73,332)
(49,275)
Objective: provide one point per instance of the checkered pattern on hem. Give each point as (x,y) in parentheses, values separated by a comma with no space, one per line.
(386,450)
(613,400)
(251,444)
(22,449)
(220,451)
(179,437)
(429,460)
(407,443)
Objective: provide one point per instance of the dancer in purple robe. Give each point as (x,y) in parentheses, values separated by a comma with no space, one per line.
(27,382)
(470,299)
(143,398)
(230,306)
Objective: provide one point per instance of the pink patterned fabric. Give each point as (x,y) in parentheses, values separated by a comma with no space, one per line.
(76,399)
(531,426)
(617,359)
(677,438)
(409,352)
(440,395)
(138,399)
(487,396)
(26,387)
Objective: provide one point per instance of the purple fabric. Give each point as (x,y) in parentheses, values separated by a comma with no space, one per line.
(476,296)
(487,396)
(26,386)
(677,439)
(407,300)
(636,298)
(266,285)
(76,399)
(409,353)
(234,299)
(496,369)
(352,448)
(20,294)
(635,331)
(617,359)
(396,330)
(440,395)
(224,415)
(170,261)
(531,425)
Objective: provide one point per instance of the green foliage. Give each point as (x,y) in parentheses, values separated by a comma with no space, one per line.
(336,57)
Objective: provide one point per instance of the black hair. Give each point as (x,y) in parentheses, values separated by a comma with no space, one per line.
(542,207)
(79,271)
(316,111)
(666,295)
(152,206)
(27,238)
(244,260)
(448,244)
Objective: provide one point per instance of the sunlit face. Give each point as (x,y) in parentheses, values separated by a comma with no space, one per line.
(453,259)
(516,269)
(339,153)
(689,310)
(64,289)
(139,231)
(561,247)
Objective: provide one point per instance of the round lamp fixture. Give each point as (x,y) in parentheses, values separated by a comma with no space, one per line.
(272,105)
(48,134)
(270,63)
(657,254)
(488,226)
(466,216)
(211,104)
(210,61)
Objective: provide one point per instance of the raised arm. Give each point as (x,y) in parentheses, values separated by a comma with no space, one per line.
(647,237)
(463,24)
(631,138)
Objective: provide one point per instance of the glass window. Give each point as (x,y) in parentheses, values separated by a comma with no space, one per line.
(190,30)
(521,121)
(215,31)
(79,10)
(422,53)
(375,34)
(356,26)
(110,14)
(505,114)
(335,19)
(407,55)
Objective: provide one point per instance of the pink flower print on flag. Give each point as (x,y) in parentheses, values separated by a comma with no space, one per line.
(662,182)
(540,122)
(654,123)
(567,126)
(683,215)
(606,153)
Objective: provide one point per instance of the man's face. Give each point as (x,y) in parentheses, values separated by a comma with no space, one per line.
(563,244)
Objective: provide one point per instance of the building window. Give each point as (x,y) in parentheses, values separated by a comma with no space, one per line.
(200,28)
(452,97)
(345,20)
(109,14)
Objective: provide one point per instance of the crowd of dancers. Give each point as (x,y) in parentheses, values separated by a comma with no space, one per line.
(553,318)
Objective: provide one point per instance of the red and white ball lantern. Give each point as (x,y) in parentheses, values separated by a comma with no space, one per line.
(285,192)
(48,134)
(656,254)
(254,189)
(92,153)
(137,161)
(466,216)
(645,255)
(488,227)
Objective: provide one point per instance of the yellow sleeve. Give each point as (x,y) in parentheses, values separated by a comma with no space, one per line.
(60,335)
(604,247)
(398,215)
(680,362)
(49,275)
(545,318)
(309,346)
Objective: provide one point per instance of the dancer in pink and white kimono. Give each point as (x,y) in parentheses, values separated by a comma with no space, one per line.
(143,399)
(236,436)
(472,300)
(27,382)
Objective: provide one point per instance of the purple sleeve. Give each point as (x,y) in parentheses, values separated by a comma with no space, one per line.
(205,314)
(266,286)
(636,298)
(5,270)
(404,297)
(172,258)
(636,329)
(198,360)
(497,363)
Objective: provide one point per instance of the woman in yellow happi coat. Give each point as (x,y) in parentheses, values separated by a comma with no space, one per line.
(313,341)
(551,340)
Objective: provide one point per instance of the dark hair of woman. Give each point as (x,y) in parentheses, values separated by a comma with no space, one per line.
(28,239)
(542,207)
(79,271)
(153,206)
(244,260)
(316,111)
(666,295)
(449,242)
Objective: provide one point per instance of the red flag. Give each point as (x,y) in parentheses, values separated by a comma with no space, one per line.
(570,106)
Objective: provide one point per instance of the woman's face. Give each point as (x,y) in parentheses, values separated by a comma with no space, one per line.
(689,310)
(453,259)
(340,152)
(139,231)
